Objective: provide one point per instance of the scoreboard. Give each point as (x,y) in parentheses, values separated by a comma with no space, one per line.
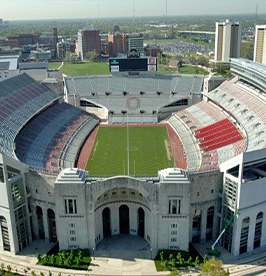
(144,64)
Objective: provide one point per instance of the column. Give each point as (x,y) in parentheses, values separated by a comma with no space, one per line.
(251,233)
(35,224)
(203,225)
(1,238)
(46,225)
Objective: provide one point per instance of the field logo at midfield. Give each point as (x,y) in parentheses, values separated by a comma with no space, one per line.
(133,103)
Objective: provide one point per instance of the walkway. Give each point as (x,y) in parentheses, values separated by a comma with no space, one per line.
(253,263)
(117,255)
(123,255)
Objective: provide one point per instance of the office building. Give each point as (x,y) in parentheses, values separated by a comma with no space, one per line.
(260,44)
(89,41)
(227,41)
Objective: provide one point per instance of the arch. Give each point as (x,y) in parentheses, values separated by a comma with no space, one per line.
(209,223)
(51,225)
(39,214)
(118,182)
(5,233)
(196,226)
(141,222)
(124,219)
(244,235)
(106,215)
(258,230)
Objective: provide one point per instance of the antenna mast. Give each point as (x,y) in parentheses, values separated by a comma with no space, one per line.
(256,15)
(133,9)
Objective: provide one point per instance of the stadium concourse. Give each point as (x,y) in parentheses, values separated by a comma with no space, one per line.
(216,138)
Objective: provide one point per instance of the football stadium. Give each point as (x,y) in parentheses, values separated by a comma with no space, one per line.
(161,157)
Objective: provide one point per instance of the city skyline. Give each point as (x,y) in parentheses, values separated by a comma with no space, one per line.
(73,9)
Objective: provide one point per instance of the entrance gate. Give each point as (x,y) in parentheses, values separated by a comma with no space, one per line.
(141,222)
(124,219)
(106,223)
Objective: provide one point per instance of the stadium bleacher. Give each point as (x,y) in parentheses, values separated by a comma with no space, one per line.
(20,99)
(53,139)
(231,122)
(153,92)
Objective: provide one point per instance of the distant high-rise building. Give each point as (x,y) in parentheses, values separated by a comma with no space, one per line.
(89,41)
(115,44)
(227,41)
(55,34)
(260,44)
(135,42)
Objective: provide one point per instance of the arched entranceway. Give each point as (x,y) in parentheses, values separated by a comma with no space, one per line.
(209,223)
(4,232)
(141,222)
(124,219)
(40,222)
(106,214)
(52,225)
(258,230)
(196,226)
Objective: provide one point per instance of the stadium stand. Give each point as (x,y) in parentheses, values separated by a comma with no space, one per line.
(209,135)
(53,139)
(115,92)
(20,99)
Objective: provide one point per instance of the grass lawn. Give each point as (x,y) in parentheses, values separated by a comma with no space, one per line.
(84,264)
(147,151)
(86,68)
(185,69)
(54,65)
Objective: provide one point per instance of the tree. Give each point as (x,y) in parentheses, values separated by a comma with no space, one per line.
(203,61)
(33,273)
(53,259)
(92,55)
(80,254)
(41,274)
(9,269)
(213,267)
(2,267)
(39,257)
(61,261)
(197,261)
(46,258)
(205,259)
(162,256)
(189,261)
(247,50)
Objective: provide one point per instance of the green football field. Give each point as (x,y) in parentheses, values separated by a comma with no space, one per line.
(149,151)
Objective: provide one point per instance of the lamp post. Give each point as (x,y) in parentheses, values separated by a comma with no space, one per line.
(151,253)
(93,253)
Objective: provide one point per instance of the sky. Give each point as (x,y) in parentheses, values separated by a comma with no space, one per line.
(67,9)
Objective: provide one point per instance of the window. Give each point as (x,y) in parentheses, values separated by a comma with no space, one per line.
(73,239)
(2,179)
(70,206)
(72,225)
(88,104)
(174,206)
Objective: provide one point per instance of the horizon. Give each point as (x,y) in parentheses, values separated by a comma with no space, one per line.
(136,17)
(17,10)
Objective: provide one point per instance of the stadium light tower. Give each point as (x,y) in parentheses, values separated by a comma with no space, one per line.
(128,163)
(134,9)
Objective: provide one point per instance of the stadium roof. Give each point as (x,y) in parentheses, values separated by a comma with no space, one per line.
(250,64)
(8,63)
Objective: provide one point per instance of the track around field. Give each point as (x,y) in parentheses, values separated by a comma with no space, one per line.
(86,150)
